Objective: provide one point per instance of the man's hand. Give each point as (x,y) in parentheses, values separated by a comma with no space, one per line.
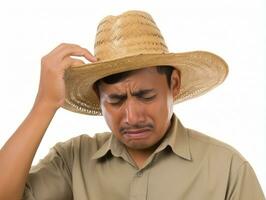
(52,88)
(18,152)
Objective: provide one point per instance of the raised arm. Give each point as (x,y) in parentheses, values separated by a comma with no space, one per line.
(18,152)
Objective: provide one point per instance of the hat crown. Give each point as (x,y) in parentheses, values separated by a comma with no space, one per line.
(128,34)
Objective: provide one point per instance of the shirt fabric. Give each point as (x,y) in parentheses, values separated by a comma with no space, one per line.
(187,165)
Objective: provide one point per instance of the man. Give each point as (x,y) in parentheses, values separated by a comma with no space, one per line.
(133,81)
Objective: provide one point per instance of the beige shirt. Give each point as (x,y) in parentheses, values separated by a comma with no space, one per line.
(187,165)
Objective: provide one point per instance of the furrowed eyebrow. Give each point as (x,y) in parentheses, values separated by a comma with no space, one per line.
(137,93)
(117,96)
(142,92)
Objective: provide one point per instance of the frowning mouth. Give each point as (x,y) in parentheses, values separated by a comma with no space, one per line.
(137,134)
(137,131)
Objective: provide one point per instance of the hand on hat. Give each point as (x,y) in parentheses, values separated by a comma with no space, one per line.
(52,87)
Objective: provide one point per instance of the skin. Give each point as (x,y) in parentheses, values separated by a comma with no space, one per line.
(138,110)
(18,152)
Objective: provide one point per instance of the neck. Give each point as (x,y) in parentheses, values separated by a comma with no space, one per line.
(141,155)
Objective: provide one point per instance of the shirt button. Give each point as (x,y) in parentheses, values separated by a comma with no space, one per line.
(139,174)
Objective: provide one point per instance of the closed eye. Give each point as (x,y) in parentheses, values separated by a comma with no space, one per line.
(146,94)
(147,97)
(116,101)
(116,98)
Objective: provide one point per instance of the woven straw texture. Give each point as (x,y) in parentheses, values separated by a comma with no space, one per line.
(132,41)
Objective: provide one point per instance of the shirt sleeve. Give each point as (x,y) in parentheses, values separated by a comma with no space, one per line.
(244,185)
(50,178)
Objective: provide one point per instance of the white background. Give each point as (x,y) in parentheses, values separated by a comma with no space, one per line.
(235,112)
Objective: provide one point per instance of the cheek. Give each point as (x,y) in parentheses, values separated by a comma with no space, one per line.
(111,117)
(163,107)
(162,113)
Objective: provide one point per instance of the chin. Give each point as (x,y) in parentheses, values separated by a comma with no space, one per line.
(140,146)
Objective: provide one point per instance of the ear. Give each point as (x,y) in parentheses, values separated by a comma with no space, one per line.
(175,82)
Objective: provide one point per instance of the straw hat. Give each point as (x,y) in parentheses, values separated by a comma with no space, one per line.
(132,41)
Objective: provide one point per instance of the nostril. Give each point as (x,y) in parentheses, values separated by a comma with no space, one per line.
(133,111)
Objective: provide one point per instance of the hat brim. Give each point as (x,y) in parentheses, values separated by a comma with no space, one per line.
(201,71)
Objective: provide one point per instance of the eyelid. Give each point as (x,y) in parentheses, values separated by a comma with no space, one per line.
(148,97)
(115,101)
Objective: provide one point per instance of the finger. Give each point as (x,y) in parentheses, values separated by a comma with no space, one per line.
(84,53)
(58,49)
(71,62)
(88,55)
(74,50)
(62,46)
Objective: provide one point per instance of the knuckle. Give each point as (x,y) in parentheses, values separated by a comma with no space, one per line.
(44,60)
(63,44)
(69,45)
(78,62)
(85,51)
(76,45)
(46,63)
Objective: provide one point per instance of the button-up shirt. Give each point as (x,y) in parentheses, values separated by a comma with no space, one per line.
(187,165)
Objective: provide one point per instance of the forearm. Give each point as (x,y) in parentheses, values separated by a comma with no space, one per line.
(17,154)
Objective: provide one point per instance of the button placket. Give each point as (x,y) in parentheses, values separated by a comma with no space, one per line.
(139,174)
(138,188)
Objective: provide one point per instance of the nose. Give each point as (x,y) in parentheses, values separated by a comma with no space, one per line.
(134,112)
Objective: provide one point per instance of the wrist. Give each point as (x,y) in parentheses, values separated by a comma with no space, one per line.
(44,107)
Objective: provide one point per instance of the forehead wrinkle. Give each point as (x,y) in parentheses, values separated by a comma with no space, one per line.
(130,85)
(142,92)
(139,92)
(125,87)
(133,90)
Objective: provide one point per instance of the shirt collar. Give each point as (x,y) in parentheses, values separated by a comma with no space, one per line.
(176,137)
(113,145)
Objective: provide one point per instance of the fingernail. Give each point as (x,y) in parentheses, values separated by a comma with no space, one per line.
(94,58)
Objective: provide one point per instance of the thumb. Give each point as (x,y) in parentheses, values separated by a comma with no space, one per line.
(76,62)
(71,62)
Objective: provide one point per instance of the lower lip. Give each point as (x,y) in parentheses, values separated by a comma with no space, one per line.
(137,135)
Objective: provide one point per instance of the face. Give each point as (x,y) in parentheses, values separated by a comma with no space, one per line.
(138,109)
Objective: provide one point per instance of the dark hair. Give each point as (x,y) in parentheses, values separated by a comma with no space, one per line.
(114,78)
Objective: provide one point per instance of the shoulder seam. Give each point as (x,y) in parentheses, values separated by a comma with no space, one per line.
(225,146)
